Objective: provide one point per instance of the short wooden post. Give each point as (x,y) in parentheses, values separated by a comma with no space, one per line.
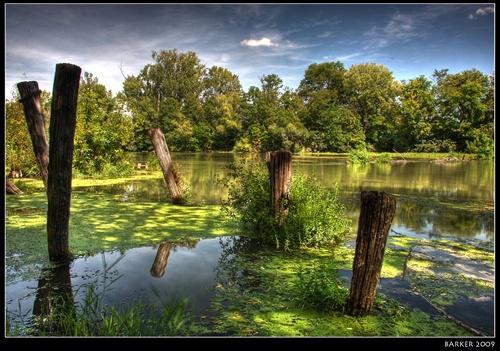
(166,165)
(62,133)
(377,213)
(279,164)
(30,98)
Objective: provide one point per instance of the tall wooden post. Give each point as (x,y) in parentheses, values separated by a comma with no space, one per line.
(279,164)
(62,133)
(166,165)
(377,213)
(30,98)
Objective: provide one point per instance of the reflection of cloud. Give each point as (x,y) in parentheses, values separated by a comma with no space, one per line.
(484,11)
(260,42)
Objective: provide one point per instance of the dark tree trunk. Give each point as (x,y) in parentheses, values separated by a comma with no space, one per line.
(30,98)
(163,155)
(62,133)
(279,164)
(377,213)
(11,188)
(160,263)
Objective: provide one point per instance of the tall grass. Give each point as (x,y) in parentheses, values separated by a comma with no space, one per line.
(91,317)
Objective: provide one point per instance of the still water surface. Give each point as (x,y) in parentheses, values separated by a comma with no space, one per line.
(194,269)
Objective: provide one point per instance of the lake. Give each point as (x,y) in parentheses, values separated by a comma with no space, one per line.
(193,269)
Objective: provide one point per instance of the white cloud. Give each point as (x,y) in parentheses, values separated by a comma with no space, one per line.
(483,11)
(260,42)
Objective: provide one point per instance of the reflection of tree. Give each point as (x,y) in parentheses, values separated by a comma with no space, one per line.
(54,295)
(230,271)
(437,220)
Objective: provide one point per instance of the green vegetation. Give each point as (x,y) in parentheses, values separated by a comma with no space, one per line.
(297,292)
(315,215)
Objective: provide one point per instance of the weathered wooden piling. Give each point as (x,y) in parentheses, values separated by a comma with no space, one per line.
(163,155)
(32,104)
(279,164)
(62,133)
(375,219)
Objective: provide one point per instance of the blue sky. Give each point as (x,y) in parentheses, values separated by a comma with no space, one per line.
(249,40)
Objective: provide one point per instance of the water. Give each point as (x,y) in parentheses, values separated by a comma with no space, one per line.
(192,269)
(449,182)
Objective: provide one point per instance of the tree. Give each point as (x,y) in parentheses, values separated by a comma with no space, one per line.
(465,103)
(102,131)
(270,117)
(322,90)
(174,77)
(415,120)
(371,93)
(222,99)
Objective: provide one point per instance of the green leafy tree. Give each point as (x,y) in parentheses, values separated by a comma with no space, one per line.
(418,110)
(371,93)
(222,99)
(270,118)
(331,126)
(102,131)
(465,103)
(174,77)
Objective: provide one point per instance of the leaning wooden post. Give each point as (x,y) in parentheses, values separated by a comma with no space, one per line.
(163,155)
(377,213)
(30,98)
(11,188)
(279,164)
(62,133)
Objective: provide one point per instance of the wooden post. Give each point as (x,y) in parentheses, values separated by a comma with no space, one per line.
(279,164)
(377,213)
(166,165)
(30,98)
(11,188)
(62,133)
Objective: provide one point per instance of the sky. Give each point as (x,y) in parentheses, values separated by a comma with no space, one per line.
(250,40)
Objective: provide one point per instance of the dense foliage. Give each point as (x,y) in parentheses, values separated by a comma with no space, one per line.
(315,215)
(334,109)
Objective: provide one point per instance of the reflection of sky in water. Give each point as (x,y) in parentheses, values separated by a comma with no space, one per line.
(189,272)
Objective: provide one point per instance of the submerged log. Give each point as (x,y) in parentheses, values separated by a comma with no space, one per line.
(377,213)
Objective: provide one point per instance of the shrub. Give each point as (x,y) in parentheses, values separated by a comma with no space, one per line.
(359,157)
(315,214)
(321,288)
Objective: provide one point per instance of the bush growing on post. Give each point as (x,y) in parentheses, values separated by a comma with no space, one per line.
(315,215)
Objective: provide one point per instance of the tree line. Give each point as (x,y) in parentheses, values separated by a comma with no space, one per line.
(203,109)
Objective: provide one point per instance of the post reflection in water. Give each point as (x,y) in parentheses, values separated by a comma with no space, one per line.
(120,278)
